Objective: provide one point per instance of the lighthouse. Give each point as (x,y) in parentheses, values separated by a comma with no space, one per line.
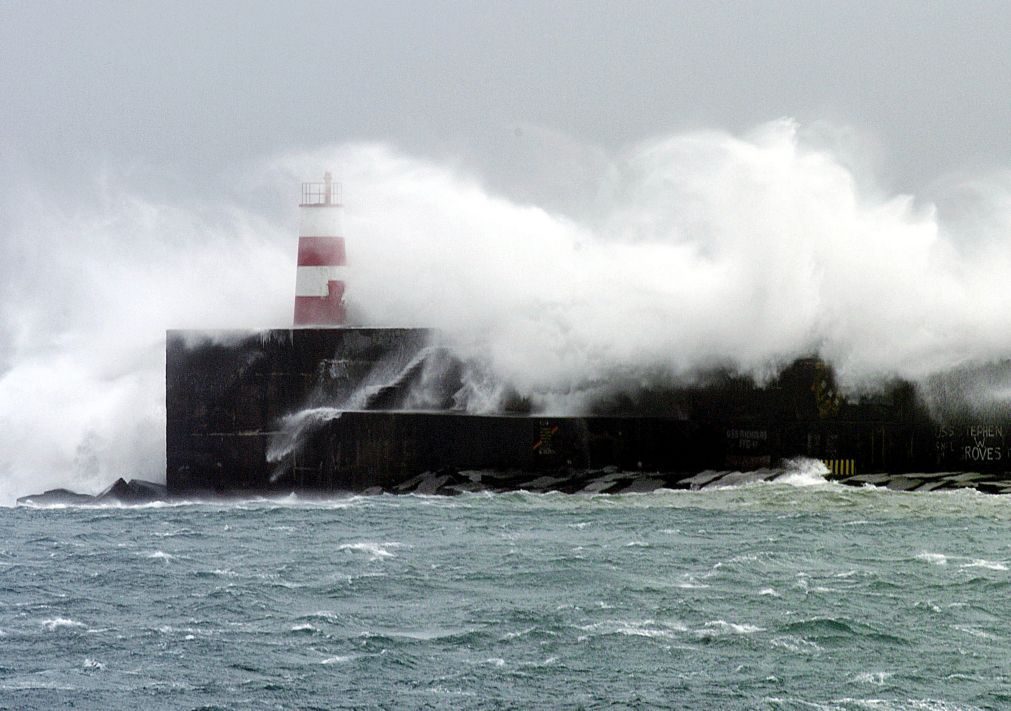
(319,284)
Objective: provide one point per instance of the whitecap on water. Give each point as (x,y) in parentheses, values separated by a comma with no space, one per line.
(521,633)
(988,564)
(935,558)
(323,615)
(795,644)
(926,604)
(975,632)
(715,628)
(643,631)
(61,623)
(877,678)
(339,659)
(538,664)
(646,628)
(93,664)
(689,583)
(375,550)
(189,632)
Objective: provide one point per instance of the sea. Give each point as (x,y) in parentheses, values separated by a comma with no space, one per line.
(796,594)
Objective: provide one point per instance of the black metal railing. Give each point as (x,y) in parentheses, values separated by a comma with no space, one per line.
(326,193)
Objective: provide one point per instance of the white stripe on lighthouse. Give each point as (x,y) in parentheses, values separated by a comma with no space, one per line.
(312,281)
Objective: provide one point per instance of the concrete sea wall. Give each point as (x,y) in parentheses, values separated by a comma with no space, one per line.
(333,410)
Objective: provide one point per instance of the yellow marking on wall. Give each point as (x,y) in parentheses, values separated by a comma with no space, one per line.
(840,467)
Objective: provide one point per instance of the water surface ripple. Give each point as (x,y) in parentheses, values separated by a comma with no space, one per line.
(762,596)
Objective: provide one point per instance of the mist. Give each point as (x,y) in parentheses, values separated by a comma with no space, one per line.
(701,249)
(88,292)
(695,250)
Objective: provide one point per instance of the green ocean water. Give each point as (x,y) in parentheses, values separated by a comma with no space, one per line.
(778,596)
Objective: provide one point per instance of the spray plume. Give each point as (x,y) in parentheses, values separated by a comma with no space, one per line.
(702,249)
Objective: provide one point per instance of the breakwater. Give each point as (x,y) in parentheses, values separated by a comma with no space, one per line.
(353,410)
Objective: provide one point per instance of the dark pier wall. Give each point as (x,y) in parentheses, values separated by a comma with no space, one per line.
(227,393)
(352,409)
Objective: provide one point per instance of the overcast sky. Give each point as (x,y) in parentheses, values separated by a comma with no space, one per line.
(182,95)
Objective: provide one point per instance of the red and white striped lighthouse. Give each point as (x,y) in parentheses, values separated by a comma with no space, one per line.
(319,286)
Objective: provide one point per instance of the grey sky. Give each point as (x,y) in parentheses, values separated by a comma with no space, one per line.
(182,94)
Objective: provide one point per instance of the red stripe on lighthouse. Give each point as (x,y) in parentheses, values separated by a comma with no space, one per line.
(321,251)
(319,309)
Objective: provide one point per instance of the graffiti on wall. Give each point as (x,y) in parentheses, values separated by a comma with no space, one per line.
(980,442)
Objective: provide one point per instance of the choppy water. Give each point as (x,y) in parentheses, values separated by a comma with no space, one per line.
(762,596)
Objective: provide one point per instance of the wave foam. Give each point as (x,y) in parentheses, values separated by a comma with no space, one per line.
(57,623)
(988,564)
(933,558)
(716,628)
(376,551)
(339,659)
(803,471)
